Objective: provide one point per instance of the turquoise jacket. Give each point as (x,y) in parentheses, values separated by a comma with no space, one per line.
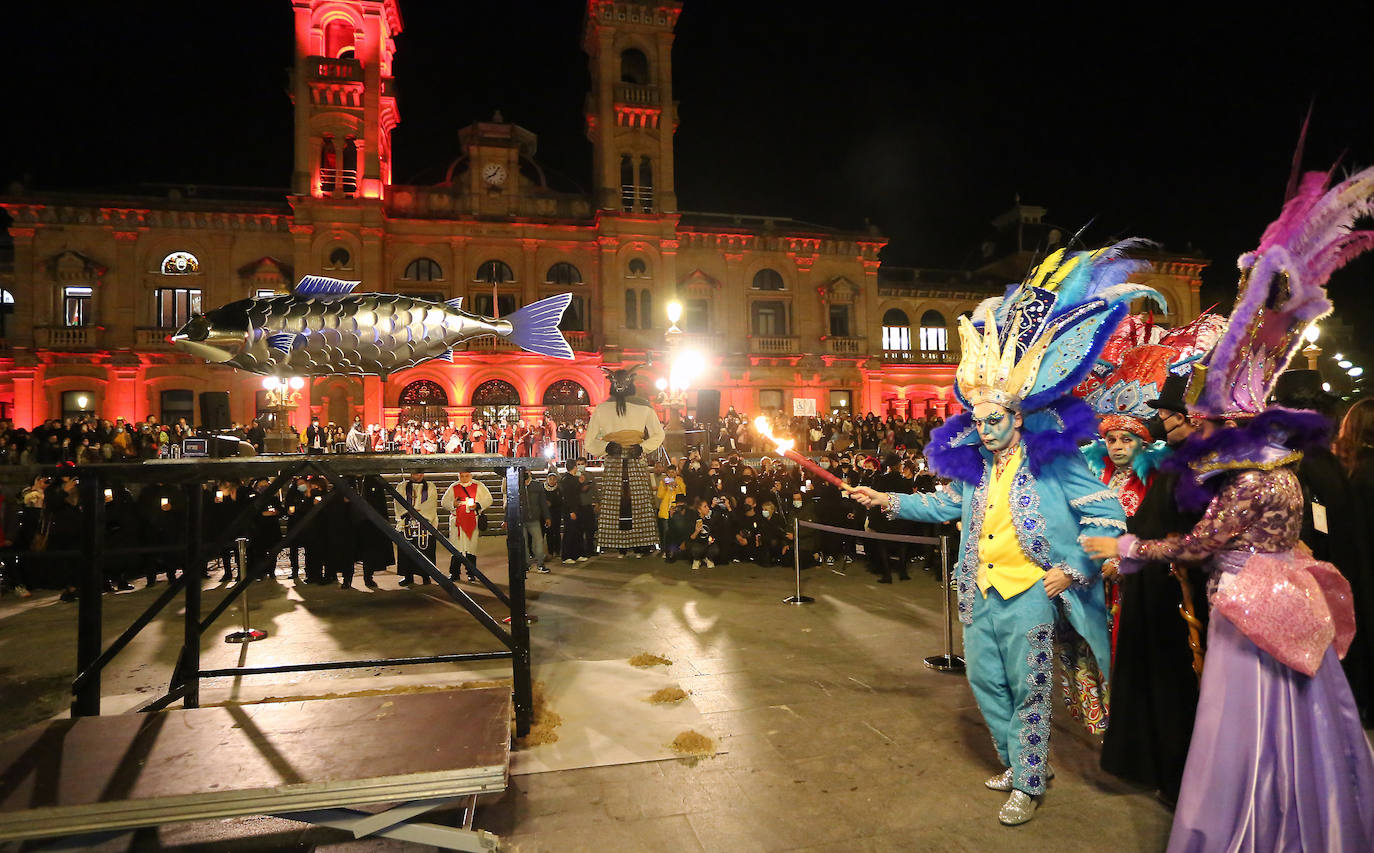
(1051,511)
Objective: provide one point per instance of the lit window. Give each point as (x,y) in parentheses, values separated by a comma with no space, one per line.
(495,272)
(173,306)
(423,269)
(840,401)
(933,333)
(896,331)
(76,305)
(180,263)
(6,308)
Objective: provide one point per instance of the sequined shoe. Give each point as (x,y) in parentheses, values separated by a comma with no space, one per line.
(1019,808)
(1002,781)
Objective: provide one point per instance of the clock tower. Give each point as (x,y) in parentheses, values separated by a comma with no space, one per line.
(494,150)
(631,114)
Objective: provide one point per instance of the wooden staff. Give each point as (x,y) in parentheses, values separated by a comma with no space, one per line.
(1185,609)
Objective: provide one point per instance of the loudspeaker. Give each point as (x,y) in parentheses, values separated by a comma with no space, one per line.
(708,405)
(214,410)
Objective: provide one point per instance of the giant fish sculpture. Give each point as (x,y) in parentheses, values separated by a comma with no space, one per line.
(323,327)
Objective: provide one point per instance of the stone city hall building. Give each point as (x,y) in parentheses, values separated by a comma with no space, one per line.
(777,310)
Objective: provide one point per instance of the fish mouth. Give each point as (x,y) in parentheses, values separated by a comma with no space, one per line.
(202,339)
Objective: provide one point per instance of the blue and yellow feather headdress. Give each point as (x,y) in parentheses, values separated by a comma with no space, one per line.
(1026,349)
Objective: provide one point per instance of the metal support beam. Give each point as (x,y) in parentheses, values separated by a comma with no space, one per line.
(191,576)
(519,625)
(443,540)
(86,700)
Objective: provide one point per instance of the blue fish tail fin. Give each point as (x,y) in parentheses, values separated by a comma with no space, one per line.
(446,356)
(455,304)
(535,327)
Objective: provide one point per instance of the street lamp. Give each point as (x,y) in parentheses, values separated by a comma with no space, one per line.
(1355,372)
(674,314)
(1312,351)
(1345,364)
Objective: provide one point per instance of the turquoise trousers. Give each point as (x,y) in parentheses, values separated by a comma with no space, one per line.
(1008,650)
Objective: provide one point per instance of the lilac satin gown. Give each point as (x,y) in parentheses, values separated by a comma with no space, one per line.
(1279,760)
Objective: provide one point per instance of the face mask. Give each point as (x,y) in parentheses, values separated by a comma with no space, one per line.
(768,513)
(302,488)
(797,504)
(826,464)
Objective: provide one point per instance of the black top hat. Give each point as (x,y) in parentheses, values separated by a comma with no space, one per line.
(1171,397)
(1301,389)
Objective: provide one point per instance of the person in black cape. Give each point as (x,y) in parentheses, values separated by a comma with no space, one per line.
(1154,688)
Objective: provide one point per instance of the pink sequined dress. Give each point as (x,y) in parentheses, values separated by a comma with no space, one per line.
(1278,759)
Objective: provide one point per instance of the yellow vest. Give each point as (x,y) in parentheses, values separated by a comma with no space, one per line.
(1001,563)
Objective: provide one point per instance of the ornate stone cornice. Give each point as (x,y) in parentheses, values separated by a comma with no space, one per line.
(131,219)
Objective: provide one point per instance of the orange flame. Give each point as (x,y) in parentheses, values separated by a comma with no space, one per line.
(763,429)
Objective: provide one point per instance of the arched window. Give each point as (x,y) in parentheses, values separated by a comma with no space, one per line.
(646,185)
(896,331)
(6,309)
(495,272)
(423,269)
(627,184)
(637,269)
(634,67)
(566,401)
(340,259)
(767,279)
(563,273)
(631,308)
(496,401)
(933,334)
(646,310)
(423,400)
(338,37)
(180,263)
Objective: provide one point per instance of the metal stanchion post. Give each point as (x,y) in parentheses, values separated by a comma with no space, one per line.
(247,635)
(949,661)
(798,598)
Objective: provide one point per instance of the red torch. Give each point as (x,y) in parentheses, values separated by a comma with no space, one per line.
(784,448)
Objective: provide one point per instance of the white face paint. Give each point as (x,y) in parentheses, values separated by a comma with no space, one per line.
(998,427)
(1122,446)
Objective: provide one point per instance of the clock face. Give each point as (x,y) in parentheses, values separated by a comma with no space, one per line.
(494,174)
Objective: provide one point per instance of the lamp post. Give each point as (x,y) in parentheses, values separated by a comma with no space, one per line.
(1312,351)
(283,395)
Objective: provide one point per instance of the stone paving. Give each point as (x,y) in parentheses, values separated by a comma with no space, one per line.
(839,738)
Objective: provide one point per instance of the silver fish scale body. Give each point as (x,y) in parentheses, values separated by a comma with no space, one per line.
(363,334)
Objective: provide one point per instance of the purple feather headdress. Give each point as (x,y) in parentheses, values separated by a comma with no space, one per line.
(1282,291)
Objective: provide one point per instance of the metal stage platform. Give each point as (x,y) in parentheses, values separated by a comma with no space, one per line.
(314,761)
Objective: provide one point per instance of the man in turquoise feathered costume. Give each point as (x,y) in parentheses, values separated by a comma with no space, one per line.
(1025,496)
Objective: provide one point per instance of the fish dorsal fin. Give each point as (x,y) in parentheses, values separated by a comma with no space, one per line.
(282,341)
(322,287)
(455,304)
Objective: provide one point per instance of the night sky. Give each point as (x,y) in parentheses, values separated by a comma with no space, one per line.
(926,119)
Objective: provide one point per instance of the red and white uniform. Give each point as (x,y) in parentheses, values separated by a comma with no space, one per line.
(465,503)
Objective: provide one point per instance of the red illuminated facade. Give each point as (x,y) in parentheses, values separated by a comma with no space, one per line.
(778,310)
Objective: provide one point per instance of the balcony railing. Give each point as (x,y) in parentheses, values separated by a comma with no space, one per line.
(339,182)
(636,93)
(152,337)
(491,344)
(772,345)
(343,70)
(579,341)
(66,337)
(920,357)
(844,346)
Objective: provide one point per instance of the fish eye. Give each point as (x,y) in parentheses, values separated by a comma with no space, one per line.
(198,329)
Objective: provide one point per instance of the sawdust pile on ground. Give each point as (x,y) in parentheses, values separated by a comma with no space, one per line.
(353,694)
(668,694)
(692,742)
(544,726)
(644,659)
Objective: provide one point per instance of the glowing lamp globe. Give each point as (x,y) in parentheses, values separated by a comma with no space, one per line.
(270,383)
(1355,372)
(674,312)
(660,383)
(1345,364)
(1311,333)
(82,401)
(297,383)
